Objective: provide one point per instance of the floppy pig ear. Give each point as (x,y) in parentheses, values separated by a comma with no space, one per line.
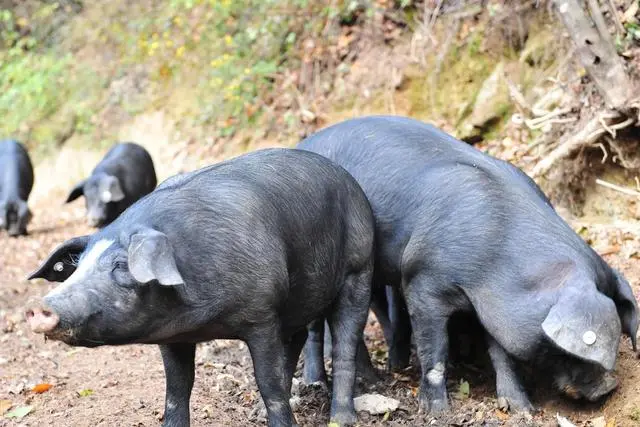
(151,258)
(76,192)
(627,307)
(585,324)
(62,261)
(110,189)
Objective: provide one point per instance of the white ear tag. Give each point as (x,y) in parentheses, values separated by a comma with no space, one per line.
(589,337)
(106,196)
(58,266)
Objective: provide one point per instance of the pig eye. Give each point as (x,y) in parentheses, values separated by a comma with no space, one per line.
(120,274)
(119,265)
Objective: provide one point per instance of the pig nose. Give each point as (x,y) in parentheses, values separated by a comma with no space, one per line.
(42,319)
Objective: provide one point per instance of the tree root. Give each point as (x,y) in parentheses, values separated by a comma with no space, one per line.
(589,134)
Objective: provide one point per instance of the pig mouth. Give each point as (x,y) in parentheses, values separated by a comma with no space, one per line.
(70,337)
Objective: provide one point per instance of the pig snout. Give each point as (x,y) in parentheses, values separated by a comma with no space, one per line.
(42,319)
(606,385)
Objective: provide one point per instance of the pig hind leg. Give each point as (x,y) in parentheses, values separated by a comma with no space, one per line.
(347,321)
(269,357)
(400,324)
(314,354)
(179,369)
(292,353)
(429,316)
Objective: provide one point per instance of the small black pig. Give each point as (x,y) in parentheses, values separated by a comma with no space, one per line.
(458,230)
(16,182)
(124,175)
(253,248)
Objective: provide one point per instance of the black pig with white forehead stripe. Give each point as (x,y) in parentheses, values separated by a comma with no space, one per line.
(253,248)
(124,175)
(458,230)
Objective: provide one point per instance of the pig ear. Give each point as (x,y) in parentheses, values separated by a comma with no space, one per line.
(585,324)
(62,261)
(110,189)
(627,307)
(151,258)
(76,192)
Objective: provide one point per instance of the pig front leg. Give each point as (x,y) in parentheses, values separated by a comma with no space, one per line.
(429,316)
(508,385)
(179,370)
(314,354)
(267,350)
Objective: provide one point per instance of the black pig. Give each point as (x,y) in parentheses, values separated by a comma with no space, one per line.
(16,182)
(124,175)
(458,230)
(253,248)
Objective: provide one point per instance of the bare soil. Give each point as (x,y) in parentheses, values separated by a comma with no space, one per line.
(124,386)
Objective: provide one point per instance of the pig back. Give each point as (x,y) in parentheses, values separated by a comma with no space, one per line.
(283,215)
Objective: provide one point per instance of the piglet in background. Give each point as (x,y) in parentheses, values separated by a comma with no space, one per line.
(16,182)
(123,176)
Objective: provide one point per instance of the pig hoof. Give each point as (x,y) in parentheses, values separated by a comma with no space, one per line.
(513,404)
(434,406)
(344,418)
(397,361)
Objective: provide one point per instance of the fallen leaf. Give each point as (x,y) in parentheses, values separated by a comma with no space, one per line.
(386,416)
(503,416)
(463,390)
(41,388)
(20,412)
(85,392)
(611,422)
(5,405)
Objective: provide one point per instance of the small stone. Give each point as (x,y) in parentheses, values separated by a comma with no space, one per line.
(563,422)
(375,404)
(503,404)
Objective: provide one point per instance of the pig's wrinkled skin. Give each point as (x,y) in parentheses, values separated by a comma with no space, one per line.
(123,176)
(16,182)
(458,230)
(253,248)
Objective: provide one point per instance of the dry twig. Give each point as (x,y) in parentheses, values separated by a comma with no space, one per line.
(618,188)
(588,135)
(616,18)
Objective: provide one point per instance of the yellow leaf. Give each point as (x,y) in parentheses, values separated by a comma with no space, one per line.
(41,388)
(5,405)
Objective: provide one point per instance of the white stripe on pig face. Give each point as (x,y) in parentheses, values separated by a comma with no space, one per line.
(85,268)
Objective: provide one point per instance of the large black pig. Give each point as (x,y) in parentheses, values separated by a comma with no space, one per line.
(16,182)
(253,248)
(458,230)
(124,175)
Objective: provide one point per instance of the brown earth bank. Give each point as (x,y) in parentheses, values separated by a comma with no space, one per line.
(124,386)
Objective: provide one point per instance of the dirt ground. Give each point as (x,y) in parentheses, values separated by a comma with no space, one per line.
(124,386)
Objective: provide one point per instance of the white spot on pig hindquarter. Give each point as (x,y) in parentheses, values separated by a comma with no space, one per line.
(86,266)
(436,375)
